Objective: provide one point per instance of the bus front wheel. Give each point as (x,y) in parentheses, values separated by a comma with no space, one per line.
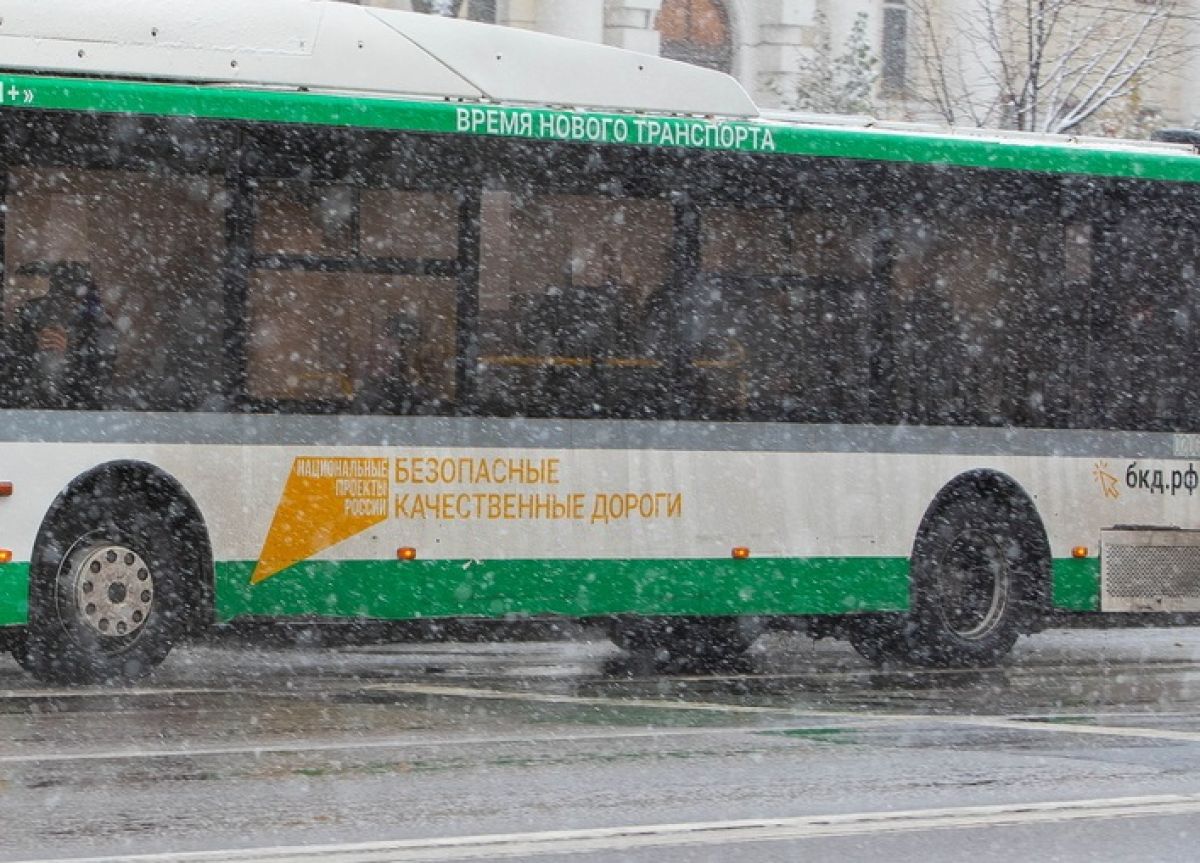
(106,597)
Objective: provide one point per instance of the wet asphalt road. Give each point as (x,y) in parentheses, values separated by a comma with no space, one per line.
(1085,747)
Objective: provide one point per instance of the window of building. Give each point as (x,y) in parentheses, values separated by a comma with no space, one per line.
(696,32)
(893,77)
(474,10)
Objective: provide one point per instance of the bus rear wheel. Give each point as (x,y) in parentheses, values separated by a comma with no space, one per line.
(972,577)
(973,589)
(106,591)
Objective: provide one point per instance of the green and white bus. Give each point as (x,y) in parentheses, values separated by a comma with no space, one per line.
(321,312)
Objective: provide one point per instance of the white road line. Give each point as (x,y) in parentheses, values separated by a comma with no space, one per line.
(1016,672)
(606,701)
(858,720)
(710,833)
(855,718)
(1076,728)
(114,692)
(292,747)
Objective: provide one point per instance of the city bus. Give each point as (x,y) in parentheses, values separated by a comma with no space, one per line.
(317,312)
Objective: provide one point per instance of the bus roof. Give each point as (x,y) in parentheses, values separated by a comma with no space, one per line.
(338,64)
(330,46)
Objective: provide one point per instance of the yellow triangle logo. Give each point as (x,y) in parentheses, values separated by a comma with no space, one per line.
(325,501)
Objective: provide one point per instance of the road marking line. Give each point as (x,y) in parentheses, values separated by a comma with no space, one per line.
(711,833)
(607,701)
(1074,728)
(287,748)
(858,719)
(1015,672)
(850,719)
(113,692)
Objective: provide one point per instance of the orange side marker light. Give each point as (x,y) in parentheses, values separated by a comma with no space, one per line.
(5,555)
(741,553)
(406,553)
(1079,552)
(6,489)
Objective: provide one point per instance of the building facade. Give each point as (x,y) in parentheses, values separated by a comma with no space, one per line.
(780,48)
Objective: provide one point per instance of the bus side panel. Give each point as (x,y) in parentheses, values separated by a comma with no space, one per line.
(14,577)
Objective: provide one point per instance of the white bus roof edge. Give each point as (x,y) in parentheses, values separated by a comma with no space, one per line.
(295,43)
(334,46)
(511,65)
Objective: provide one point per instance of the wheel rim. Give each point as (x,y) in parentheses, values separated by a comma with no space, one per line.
(113,590)
(974,585)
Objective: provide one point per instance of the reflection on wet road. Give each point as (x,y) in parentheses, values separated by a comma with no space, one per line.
(1087,744)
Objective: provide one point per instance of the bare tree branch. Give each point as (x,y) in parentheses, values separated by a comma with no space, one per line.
(1043,65)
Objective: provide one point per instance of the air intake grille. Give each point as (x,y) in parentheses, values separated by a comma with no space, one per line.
(1150,570)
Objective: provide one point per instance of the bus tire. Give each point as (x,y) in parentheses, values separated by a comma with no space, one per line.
(978,567)
(109,584)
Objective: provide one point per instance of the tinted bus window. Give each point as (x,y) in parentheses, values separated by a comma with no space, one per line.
(573,306)
(973,299)
(777,324)
(113,293)
(352,298)
(1145,311)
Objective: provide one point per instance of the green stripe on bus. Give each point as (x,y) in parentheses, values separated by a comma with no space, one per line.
(1077,584)
(395,590)
(226,103)
(403,591)
(14,594)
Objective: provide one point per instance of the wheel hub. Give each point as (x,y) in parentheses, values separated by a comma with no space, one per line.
(113,591)
(974,585)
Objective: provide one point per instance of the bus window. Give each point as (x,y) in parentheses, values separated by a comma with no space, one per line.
(776,325)
(572,305)
(106,270)
(1145,315)
(970,292)
(409,225)
(295,218)
(333,342)
(352,300)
